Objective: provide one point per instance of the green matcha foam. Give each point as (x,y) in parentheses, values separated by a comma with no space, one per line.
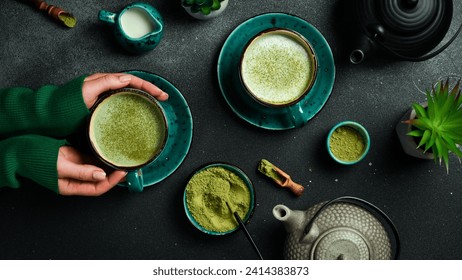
(127,129)
(276,68)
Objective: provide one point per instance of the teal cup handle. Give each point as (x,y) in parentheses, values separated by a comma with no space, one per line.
(107,17)
(134,181)
(296,114)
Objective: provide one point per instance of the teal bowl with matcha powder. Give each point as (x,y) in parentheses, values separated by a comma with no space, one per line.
(348,142)
(213,193)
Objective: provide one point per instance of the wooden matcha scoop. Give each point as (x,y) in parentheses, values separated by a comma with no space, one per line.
(279,177)
(55,12)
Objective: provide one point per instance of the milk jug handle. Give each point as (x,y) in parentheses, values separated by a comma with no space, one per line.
(359,202)
(107,17)
(158,25)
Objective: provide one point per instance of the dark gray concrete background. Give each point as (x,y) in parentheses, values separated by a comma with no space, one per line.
(424,202)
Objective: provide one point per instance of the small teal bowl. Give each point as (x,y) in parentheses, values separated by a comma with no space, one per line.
(241,175)
(361,130)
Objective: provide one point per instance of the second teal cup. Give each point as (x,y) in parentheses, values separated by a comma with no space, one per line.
(348,142)
(138,27)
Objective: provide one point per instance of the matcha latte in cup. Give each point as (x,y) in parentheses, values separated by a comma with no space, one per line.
(278,67)
(127,131)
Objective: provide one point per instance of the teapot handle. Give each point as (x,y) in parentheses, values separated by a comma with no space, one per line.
(358,201)
(416,59)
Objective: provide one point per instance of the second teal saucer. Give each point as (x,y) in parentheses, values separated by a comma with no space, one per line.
(236,96)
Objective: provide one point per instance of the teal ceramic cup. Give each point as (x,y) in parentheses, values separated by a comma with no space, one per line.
(138,27)
(278,68)
(127,130)
(348,142)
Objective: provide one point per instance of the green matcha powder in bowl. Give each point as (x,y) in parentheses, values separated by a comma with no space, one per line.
(348,142)
(206,194)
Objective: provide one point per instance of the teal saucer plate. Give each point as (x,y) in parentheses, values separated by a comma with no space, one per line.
(250,110)
(180,129)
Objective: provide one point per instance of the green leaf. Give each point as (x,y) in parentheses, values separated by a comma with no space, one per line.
(452,146)
(419,110)
(445,156)
(188,3)
(206,10)
(438,147)
(195,9)
(431,142)
(200,2)
(456,91)
(447,107)
(455,121)
(430,106)
(441,150)
(416,133)
(216,5)
(422,124)
(425,137)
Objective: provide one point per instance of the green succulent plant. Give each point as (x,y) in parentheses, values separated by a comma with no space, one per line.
(203,6)
(439,124)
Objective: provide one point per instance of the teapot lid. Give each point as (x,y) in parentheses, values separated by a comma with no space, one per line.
(406,28)
(351,231)
(341,244)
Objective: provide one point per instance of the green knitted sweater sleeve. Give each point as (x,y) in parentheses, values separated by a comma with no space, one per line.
(54,111)
(29,156)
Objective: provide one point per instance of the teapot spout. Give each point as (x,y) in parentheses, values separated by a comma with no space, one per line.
(362,50)
(293,220)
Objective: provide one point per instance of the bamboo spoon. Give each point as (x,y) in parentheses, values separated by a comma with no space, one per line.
(279,177)
(57,13)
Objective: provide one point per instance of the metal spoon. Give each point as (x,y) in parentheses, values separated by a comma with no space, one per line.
(241,224)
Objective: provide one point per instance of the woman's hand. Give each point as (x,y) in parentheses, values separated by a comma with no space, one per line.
(98,83)
(77,177)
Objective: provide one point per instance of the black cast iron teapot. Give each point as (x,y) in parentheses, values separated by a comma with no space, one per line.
(405,29)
